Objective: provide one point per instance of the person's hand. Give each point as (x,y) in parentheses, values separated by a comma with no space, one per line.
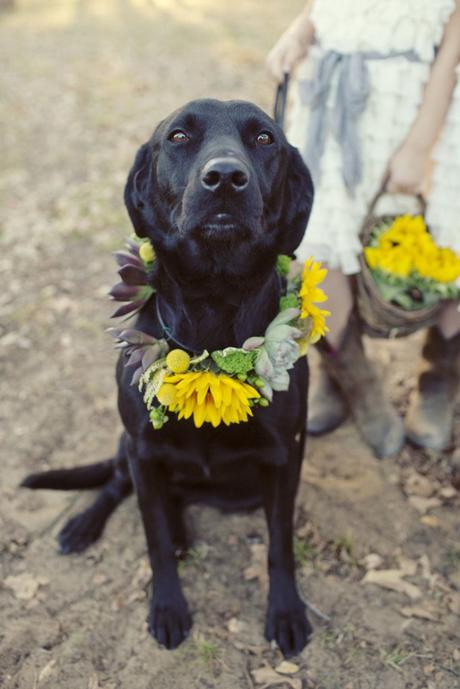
(291,47)
(407,170)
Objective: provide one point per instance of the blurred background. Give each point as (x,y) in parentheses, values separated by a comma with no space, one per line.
(83,83)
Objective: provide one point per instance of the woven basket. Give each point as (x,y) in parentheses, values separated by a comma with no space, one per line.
(381,318)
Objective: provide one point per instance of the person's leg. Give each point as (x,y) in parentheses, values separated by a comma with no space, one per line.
(327,407)
(429,420)
(348,380)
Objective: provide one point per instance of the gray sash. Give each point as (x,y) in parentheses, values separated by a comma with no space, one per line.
(350,102)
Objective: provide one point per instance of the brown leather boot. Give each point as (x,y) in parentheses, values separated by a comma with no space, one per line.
(375,417)
(430,417)
(327,408)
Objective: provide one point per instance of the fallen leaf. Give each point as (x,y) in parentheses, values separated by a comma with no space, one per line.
(453,603)
(234,625)
(416,484)
(420,612)
(372,561)
(25,586)
(93,682)
(287,668)
(448,492)
(407,567)
(392,579)
(423,505)
(430,520)
(269,678)
(46,671)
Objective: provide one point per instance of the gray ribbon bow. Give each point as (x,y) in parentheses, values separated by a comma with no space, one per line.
(350,102)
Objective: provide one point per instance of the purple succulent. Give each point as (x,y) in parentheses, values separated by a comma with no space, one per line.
(134,288)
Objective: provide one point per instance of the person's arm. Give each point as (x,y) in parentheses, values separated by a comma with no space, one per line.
(292,46)
(408,166)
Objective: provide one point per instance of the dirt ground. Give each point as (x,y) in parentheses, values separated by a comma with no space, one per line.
(83,83)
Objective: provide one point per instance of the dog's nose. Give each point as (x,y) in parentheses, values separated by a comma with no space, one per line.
(225,172)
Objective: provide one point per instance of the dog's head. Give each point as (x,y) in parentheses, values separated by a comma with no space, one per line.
(219,177)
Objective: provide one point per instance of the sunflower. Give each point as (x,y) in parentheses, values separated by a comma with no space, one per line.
(208,396)
(309,293)
(312,276)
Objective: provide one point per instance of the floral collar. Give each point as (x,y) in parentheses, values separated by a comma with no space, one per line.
(221,386)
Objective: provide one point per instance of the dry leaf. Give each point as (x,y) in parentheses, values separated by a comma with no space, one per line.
(407,567)
(46,671)
(287,668)
(448,492)
(234,625)
(430,520)
(419,612)
(392,579)
(258,568)
(372,561)
(423,505)
(453,603)
(416,484)
(93,682)
(25,586)
(269,678)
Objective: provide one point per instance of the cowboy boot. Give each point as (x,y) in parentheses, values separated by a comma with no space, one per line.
(430,416)
(376,419)
(327,409)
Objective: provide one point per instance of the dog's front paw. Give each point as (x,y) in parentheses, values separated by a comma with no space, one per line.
(79,533)
(169,623)
(289,627)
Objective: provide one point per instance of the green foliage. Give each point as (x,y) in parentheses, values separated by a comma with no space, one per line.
(289,301)
(303,552)
(283,264)
(234,361)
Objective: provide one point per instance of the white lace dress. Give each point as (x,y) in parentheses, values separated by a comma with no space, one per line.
(397,41)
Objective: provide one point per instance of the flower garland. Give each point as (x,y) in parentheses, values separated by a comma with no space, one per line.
(408,267)
(225,385)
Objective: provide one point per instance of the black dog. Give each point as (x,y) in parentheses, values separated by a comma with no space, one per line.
(220,193)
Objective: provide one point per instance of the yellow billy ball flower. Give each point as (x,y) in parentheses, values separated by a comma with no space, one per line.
(146,252)
(210,397)
(167,394)
(178,361)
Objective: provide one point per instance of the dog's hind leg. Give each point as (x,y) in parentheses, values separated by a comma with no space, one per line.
(85,528)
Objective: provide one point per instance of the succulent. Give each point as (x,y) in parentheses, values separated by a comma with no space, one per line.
(134,289)
(278,353)
(141,350)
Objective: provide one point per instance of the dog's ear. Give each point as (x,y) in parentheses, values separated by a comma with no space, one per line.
(136,189)
(297,202)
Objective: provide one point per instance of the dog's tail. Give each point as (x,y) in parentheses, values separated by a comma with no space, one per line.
(78,478)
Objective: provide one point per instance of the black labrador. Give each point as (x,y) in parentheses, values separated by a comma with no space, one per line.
(220,193)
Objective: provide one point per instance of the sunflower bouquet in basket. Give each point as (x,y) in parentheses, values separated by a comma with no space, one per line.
(409,269)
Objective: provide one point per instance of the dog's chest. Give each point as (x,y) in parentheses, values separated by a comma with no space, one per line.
(216,452)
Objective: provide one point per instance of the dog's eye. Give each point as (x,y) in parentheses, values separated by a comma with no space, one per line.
(178,137)
(264,138)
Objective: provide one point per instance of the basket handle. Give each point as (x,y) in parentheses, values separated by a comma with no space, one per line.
(279,108)
(382,190)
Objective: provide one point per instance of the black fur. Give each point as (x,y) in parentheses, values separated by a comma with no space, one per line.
(216,283)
